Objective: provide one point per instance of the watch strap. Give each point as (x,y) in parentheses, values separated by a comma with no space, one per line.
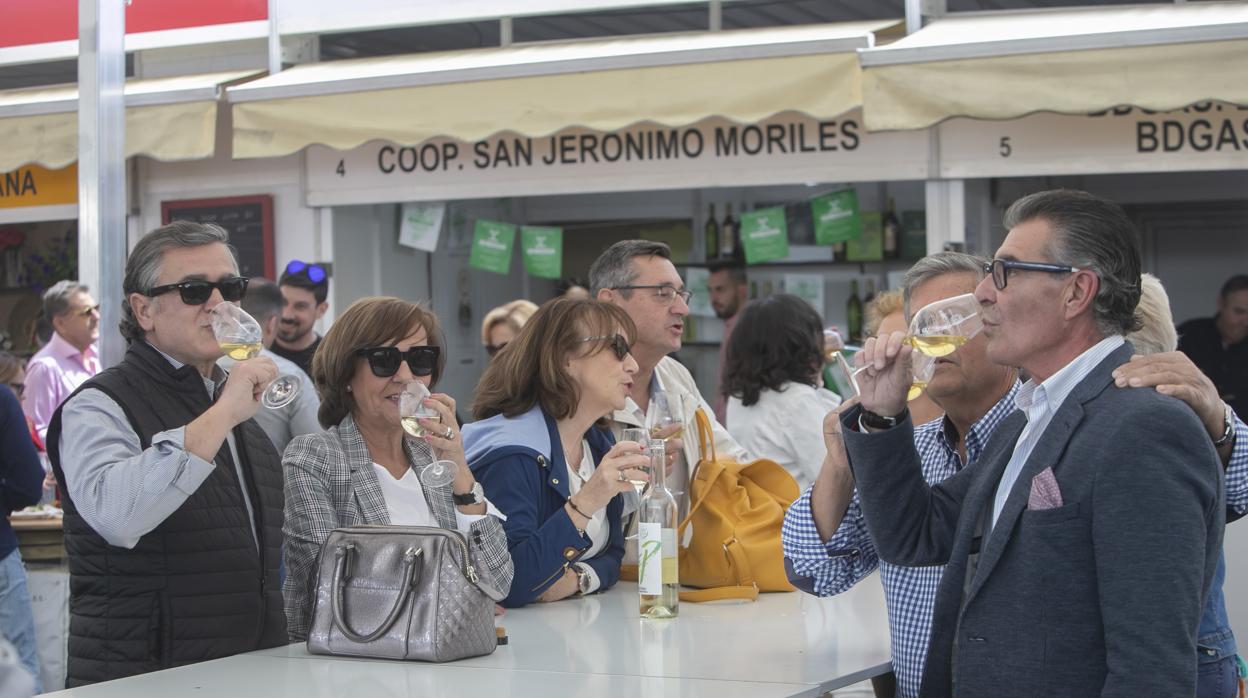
(871,420)
(474,496)
(1228,430)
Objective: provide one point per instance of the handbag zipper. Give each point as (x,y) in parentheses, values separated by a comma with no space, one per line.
(469,571)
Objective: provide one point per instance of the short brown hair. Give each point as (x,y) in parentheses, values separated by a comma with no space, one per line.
(531,370)
(369,322)
(884,304)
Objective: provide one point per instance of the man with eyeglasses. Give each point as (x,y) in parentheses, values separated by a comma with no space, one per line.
(69,358)
(173,495)
(305,288)
(638,276)
(1079,550)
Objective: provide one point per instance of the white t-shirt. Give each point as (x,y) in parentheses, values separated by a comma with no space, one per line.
(597,529)
(786,426)
(405,501)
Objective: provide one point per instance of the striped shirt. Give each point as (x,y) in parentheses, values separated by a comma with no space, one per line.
(835,565)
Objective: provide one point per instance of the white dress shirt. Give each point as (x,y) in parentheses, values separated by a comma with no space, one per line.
(1040,401)
(786,426)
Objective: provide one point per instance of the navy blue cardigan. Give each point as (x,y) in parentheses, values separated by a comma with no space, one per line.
(520,464)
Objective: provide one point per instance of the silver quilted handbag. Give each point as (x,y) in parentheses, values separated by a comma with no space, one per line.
(400,592)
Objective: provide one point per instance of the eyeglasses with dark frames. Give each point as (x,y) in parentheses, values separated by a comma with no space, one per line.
(616,342)
(664,292)
(999,270)
(315,272)
(385,361)
(198,292)
(85,312)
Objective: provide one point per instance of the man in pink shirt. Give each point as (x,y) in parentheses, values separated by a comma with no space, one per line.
(69,358)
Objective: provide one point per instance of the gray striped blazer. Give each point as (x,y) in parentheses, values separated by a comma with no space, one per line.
(330,483)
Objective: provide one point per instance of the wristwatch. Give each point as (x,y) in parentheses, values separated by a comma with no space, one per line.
(871,420)
(474,496)
(1228,426)
(582,579)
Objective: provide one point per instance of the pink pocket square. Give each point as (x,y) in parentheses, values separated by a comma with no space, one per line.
(1045,494)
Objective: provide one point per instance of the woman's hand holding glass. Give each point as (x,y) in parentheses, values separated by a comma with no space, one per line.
(627,461)
(432,417)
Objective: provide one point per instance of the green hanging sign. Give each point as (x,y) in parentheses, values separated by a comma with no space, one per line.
(542,249)
(491,246)
(836,217)
(869,247)
(764,235)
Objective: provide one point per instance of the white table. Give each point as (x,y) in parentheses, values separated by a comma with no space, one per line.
(782,645)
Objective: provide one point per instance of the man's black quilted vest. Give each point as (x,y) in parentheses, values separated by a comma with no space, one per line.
(195,587)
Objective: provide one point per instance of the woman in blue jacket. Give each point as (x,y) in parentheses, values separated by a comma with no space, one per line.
(541,404)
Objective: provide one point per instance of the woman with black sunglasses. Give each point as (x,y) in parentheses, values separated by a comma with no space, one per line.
(363,469)
(544,455)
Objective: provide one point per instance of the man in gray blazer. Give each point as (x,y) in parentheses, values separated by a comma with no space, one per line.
(1080,550)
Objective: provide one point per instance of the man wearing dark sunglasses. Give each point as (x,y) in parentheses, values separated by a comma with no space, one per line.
(167,478)
(305,288)
(69,358)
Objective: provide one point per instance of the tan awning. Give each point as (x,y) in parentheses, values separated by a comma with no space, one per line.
(1003,65)
(535,90)
(166,118)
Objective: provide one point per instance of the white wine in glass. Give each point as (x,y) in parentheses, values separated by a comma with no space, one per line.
(412,409)
(239,336)
(666,409)
(923,366)
(642,437)
(940,327)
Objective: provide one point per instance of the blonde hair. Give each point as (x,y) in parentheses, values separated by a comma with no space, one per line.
(1156,334)
(514,314)
(884,304)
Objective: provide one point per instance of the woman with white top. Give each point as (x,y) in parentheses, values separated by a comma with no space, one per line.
(771,377)
(363,469)
(544,454)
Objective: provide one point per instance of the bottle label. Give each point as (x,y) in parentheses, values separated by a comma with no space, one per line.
(671,566)
(650,558)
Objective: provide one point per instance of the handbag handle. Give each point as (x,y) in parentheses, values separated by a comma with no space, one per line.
(409,570)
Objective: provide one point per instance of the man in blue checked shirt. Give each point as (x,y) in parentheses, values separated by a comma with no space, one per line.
(826,544)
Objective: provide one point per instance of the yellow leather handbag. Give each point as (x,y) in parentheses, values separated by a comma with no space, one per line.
(736,511)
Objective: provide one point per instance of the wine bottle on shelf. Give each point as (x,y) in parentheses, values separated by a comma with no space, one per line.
(866,300)
(711,233)
(853,313)
(728,234)
(658,579)
(892,232)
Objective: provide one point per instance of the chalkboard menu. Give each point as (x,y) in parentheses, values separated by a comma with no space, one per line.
(248,220)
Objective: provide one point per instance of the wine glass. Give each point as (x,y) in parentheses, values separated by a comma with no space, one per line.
(922,368)
(412,409)
(239,336)
(940,327)
(832,344)
(666,409)
(642,437)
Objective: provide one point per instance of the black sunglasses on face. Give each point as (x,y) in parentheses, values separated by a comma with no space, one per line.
(618,345)
(385,361)
(198,292)
(85,312)
(999,270)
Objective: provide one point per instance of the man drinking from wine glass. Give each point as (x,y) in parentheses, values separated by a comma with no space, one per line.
(1079,550)
(826,544)
(173,494)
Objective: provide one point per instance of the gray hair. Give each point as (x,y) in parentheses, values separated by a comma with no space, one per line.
(143,265)
(939,264)
(614,267)
(1094,234)
(56,299)
(1156,333)
(263,300)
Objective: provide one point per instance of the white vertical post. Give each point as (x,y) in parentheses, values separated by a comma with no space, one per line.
(275,40)
(101,163)
(920,12)
(946,213)
(505,35)
(715,18)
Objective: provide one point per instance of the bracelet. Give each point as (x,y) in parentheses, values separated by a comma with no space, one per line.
(577,509)
(1229,430)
